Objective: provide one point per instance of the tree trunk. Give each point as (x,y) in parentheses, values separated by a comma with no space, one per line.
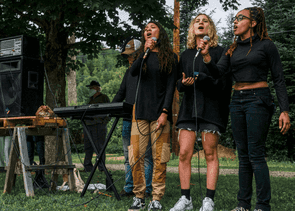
(55,64)
(175,105)
(72,88)
(71,78)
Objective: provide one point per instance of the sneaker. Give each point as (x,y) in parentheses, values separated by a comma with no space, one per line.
(207,204)
(123,193)
(183,204)
(155,205)
(240,209)
(138,204)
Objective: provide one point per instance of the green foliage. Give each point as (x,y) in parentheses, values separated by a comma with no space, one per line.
(92,23)
(279,19)
(102,69)
(227,36)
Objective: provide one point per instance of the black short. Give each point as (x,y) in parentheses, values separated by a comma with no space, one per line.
(203,126)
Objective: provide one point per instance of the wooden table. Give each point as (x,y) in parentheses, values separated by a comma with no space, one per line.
(35,127)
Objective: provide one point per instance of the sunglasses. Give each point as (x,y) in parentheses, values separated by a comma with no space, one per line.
(239,18)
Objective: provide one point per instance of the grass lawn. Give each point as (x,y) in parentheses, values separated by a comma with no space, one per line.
(283,196)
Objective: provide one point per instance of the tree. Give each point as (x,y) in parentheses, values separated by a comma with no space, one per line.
(280,23)
(71,80)
(227,36)
(92,21)
(110,78)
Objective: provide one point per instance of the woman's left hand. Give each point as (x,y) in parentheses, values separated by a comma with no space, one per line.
(162,120)
(284,122)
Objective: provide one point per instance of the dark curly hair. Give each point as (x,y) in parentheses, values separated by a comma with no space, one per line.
(256,14)
(165,54)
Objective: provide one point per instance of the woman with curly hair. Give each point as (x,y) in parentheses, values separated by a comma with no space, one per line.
(152,109)
(212,99)
(250,58)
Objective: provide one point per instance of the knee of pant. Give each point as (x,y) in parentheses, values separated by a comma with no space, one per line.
(257,159)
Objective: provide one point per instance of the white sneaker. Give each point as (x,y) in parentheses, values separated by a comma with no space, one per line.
(154,205)
(138,204)
(183,204)
(207,205)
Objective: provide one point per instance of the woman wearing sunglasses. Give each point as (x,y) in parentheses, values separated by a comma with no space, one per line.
(250,58)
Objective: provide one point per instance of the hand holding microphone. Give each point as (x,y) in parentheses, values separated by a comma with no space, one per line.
(203,47)
(149,44)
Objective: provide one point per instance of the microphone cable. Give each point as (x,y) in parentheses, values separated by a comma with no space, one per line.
(196,115)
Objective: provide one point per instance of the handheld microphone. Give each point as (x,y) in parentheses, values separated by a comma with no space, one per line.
(148,50)
(204,38)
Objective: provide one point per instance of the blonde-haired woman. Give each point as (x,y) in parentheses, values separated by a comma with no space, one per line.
(212,100)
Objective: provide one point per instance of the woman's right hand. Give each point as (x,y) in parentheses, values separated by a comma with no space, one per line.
(187,81)
(204,46)
(149,43)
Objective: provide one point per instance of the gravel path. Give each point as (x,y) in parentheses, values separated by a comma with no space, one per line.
(202,170)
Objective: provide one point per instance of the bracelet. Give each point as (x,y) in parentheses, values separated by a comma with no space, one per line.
(165,112)
(286,112)
(206,62)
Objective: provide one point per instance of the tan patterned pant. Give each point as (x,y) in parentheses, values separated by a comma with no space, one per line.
(161,155)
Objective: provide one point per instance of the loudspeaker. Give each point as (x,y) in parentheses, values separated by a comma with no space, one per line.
(21,86)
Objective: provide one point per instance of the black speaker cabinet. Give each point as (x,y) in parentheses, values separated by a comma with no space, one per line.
(21,86)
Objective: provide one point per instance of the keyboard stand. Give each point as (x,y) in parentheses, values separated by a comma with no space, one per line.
(99,158)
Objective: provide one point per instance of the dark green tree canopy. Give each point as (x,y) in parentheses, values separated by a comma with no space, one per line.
(91,21)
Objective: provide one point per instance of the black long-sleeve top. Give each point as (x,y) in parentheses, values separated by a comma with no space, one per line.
(212,95)
(255,66)
(127,90)
(156,88)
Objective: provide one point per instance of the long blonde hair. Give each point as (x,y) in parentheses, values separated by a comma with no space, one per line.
(212,33)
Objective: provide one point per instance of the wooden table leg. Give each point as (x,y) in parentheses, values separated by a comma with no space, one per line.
(22,140)
(13,156)
(54,178)
(68,157)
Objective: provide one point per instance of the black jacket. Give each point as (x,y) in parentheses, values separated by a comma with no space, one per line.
(156,88)
(127,90)
(212,95)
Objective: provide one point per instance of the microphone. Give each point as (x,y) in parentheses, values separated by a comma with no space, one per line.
(204,38)
(148,50)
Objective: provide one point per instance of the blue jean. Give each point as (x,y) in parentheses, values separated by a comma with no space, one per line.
(39,140)
(148,161)
(251,112)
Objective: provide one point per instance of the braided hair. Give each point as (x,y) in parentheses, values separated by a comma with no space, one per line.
(256,14)
(165,54)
